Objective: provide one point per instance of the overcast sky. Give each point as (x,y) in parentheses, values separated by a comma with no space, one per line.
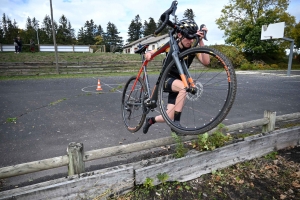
(121,12)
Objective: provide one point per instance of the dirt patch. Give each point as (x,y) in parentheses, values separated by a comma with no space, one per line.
(274,176)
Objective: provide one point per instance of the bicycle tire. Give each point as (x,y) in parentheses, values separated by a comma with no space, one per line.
(216,92)
(133,107)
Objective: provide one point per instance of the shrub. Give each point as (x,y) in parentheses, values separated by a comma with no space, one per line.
(282,65)
(235,56)
(274,66)
(247,66)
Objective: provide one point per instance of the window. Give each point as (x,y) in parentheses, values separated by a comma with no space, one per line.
(153,47)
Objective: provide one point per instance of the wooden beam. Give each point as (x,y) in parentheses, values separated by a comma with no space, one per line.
(75,154)
(191,167)
(271,125)
(94,185)
(50,163)
(34,166)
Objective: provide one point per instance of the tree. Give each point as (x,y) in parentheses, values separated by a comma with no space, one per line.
(9,30)
(30,31)
(112,38)
(65,32)
(89,34)
(165,30)
(1,33)
(80,36)
(99,31)
(46,34)
(242,20)
(295,34)
(149,27)
(86,35)
(189,14)
(99,40)
(135,29)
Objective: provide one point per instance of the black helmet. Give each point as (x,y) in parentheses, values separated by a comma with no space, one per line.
(187,27)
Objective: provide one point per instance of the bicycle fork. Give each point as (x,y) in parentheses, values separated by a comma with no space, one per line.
(184,74)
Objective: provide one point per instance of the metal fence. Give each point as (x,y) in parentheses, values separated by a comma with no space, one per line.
(50,48)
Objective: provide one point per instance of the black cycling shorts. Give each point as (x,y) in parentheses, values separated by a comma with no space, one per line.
(168,88)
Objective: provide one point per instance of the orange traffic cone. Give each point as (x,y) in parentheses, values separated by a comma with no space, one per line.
(99,85)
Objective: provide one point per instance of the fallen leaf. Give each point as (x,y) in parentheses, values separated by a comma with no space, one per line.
(282,196)
(240,181)
(296,184)
(297,174)
(218,178)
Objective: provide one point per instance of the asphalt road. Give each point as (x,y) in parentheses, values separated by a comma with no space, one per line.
(51,113)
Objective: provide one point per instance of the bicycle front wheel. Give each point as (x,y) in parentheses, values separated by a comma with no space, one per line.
(216,90)
(133,108)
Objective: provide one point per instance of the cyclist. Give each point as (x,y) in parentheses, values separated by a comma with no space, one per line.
(173,83)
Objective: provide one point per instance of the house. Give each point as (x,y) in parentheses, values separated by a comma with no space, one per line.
(154,42)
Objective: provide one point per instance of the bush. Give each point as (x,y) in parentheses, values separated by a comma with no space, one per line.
(235,56)
(247,66)
(282,65)
(274,66)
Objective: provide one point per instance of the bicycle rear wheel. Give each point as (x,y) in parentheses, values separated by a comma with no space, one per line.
(216,90)
(133,108)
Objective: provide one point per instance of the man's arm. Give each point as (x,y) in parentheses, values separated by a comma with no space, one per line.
(204,58)
(148,54)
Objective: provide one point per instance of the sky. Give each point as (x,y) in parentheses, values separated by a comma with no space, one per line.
(121,12)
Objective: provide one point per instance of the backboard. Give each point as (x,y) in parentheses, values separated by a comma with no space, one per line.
(272,31)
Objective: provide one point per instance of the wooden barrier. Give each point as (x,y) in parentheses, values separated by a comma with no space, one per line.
(117,180)
(36,166)
(48,68)
(191,167)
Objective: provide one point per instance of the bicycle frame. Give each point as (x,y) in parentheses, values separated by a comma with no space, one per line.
(187,80)
(201,104)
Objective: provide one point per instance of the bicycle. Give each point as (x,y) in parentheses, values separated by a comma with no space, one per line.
(210,90)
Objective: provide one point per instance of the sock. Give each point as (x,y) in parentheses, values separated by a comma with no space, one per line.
(152,120)
(177,116)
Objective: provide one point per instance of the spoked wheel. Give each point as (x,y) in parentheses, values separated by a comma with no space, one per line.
(133,109)
(216,90)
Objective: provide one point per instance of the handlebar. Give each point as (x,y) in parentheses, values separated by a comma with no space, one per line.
(165,18)
(204,32)
(166,21)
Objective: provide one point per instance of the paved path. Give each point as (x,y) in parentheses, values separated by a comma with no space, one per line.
(52,113)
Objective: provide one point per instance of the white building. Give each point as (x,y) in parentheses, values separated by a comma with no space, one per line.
(154,43)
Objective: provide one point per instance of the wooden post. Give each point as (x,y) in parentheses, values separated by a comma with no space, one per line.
(272,119)
(75,153)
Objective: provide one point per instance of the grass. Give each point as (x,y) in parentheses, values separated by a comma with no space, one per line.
(11,120)
(49,57)
(9,57)
(69,57)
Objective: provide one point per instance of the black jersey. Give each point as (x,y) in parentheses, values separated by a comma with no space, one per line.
(174,71)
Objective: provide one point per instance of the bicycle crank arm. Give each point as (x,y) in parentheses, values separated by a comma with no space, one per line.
(192,90)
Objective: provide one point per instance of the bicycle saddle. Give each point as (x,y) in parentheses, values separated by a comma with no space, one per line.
(141,48)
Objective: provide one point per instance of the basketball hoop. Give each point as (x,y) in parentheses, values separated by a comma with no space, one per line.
(265,27)
(272,31)
(270,37)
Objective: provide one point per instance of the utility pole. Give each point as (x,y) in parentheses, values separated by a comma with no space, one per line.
(37,31)
(36,26)
(54,38)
